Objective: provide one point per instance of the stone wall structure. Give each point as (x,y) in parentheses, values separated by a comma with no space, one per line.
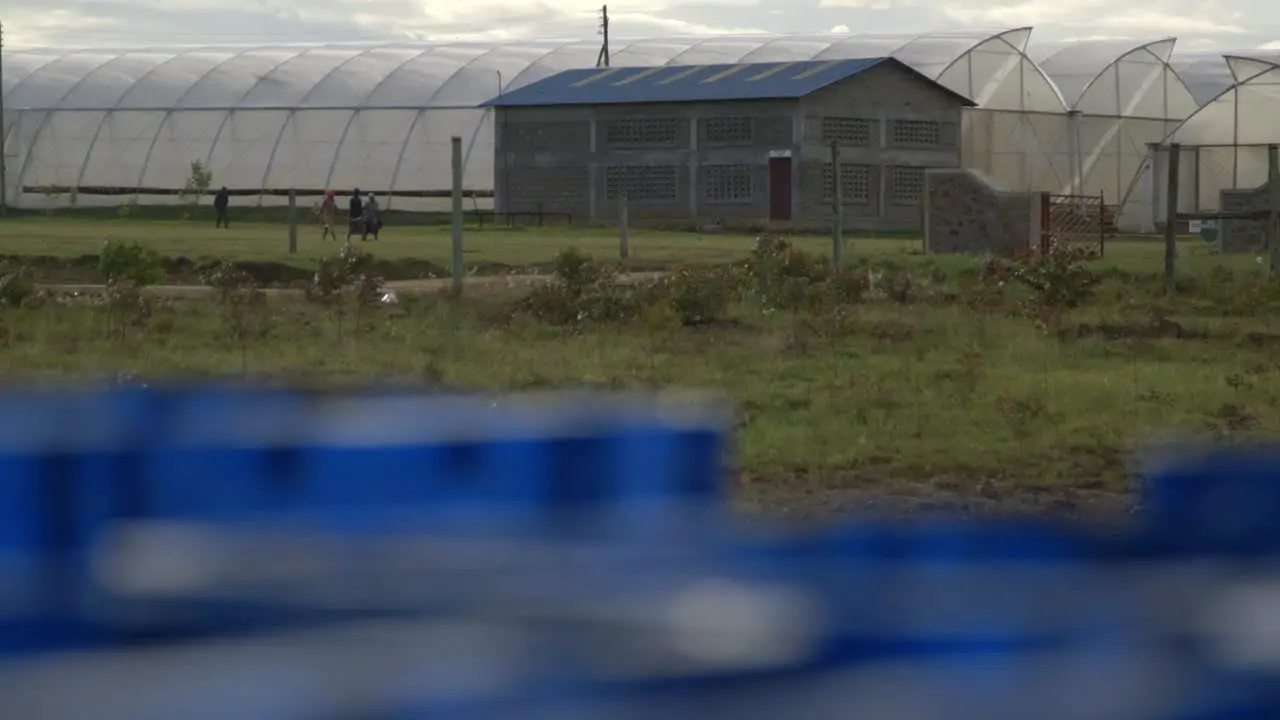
(964,212)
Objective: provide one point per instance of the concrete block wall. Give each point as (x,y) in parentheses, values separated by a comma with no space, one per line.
(528,174)
(965,212)
(884,98)
(1243,236)
(540,154)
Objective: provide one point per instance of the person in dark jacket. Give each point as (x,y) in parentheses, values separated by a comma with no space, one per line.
(220,202)
(355,215)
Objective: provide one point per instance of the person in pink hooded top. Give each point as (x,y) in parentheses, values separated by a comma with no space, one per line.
(329,215)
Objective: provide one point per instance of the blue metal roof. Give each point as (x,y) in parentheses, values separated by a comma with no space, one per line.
(693,83)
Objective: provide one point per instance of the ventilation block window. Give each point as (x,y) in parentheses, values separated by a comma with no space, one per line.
(917,133)
(727,183)
(642,183)
(728,130)
(642,132)
(846,131)
(906,185)
(855,183)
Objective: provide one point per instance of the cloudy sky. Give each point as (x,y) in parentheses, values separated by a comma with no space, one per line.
(1200,24)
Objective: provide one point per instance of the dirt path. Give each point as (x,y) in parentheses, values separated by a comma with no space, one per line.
(405,287)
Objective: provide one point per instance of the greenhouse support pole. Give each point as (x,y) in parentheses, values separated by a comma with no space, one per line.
(1171,219)
(1077,154)
(4,137)
(455,266)
(1273,210)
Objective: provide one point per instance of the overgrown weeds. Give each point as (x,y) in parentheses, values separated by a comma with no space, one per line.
(774,278)
(243,305)
(345,284)
(129,267)
(876,373)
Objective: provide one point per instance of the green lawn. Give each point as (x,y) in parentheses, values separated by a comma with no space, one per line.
(269,242)
(922,402)
(950,393)
(62,237)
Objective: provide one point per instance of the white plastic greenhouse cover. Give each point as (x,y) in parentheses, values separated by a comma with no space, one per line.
(1117,78)
(1225,141)
(1230,133)
(1243,114)
(1206,74)
(378,117)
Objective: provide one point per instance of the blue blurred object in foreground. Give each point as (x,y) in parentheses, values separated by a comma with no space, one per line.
(245,554)
(84,473)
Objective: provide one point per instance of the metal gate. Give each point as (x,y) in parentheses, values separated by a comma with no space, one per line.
(1077,220)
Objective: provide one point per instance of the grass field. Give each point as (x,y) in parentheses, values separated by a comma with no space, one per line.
(491,250)
(269,242)
(929,385)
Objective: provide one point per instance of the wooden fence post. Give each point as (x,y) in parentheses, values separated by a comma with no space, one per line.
(837,221)
(1273,210)
(624,242)
(1171,220)
(293,222)
(455,266)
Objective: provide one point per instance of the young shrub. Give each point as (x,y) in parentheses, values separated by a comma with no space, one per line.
(199,180)
(344,283)
(16,290)
(698,295)
(128,308)
(128,268)
(16,286)
(130,262)
(847,287)
(1059,279)
(779,277)
(242,302)
(577,273)
(582,290)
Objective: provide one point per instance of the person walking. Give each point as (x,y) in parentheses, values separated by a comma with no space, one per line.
(329,215)
(220,202)
(355,213)
(372,224)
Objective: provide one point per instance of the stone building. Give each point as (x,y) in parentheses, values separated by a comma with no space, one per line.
(749,145)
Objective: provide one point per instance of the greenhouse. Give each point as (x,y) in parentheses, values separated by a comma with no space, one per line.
(1225,141)
(95,127)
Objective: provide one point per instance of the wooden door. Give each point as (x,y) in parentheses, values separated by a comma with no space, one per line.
(780,189)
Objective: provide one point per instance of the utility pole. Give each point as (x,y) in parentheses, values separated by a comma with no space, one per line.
(602,60)
(4,136)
